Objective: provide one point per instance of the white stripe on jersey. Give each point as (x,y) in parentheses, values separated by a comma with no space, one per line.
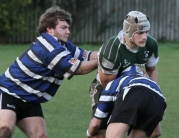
(72,69)
(46,96)
(106,98)
(8,92)
(57,58)
(117,52)
(57,81)
(22,85)
(120,83)
(36,76)
(77,53)
(111,47)
(100,114)
(145,78)
(126,90)
(33,57)
(45,43)
(148,86)
(108,85)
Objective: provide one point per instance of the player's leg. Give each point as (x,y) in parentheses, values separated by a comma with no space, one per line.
(7,116)
(124,114)
(151,116)
(145,127)
(102,129)
(33,127)
(158,106)
(31,121)
(117,130)
(157,132)
(7,123)
(95,91)
(137,133)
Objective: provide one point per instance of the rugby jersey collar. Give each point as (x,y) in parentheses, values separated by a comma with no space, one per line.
(49,37)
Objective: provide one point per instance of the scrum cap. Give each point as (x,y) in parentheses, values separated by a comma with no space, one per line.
(135,22)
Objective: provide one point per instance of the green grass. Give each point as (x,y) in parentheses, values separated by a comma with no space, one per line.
(68,114)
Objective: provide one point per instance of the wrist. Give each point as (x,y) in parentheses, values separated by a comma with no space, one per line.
(87,134)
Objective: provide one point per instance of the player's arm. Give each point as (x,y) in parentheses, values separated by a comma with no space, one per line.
(105,78)
(93,127)
(93,55)
(104,107)
(109,61)
(86,67)
(81,54)
(151,68)
(153,73)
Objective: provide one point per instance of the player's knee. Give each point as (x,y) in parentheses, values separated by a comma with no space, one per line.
(43,136)
(156,134)
(5,132)
(36,135)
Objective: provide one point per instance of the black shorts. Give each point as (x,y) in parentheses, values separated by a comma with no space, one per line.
(141,108)
(22,109)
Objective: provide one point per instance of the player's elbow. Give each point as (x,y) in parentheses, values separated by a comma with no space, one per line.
(95,125)
(86,67)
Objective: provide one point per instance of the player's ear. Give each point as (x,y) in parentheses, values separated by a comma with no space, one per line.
(50,31)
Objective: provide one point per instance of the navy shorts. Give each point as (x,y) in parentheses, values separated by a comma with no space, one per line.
(22,109)
(141,108)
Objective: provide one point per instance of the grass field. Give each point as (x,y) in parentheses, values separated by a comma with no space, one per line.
(68,114)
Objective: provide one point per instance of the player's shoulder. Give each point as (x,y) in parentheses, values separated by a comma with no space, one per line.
(69,44)
(151,42)
(111,42)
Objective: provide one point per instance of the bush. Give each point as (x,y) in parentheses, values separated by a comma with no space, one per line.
(12,17)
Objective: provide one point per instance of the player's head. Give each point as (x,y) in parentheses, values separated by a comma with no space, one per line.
(51,16)
(133,70)
(134,22)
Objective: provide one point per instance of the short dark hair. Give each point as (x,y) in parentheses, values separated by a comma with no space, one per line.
(51,16)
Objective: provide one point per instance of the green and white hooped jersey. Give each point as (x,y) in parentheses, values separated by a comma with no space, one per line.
(115,56)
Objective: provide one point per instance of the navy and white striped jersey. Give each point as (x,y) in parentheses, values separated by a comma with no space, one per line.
(36,75)
(125,81)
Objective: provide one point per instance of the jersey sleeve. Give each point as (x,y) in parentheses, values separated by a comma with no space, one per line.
(77,52)
(152,61)
(106,103)
(109,56)
(58,59)
(62,62)
(154,58)
(109,95)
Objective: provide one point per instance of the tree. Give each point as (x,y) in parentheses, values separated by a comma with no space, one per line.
(11,17)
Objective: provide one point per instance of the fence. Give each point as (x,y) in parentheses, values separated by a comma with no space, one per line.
(102,19)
